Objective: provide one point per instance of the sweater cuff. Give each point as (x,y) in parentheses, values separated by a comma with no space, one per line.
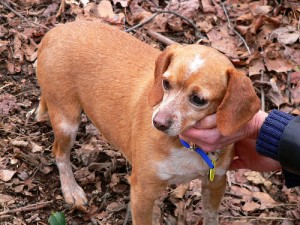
(271,132)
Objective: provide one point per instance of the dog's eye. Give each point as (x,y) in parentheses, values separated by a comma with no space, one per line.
(166,84)
(196,100)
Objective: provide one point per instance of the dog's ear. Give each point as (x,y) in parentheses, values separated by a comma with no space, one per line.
(161,65)
(239,104)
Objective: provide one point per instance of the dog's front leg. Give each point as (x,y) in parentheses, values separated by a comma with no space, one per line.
(143,193)
(212,194)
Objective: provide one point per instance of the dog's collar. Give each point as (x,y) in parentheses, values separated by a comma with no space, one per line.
(204,156)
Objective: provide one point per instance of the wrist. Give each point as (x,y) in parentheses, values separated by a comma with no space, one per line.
(252,128)
(271,132)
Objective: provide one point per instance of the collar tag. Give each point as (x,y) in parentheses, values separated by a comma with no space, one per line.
(204,156)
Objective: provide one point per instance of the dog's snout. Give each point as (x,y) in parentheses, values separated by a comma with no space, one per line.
(162,121)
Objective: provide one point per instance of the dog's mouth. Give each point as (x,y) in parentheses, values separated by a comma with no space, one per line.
(169,126)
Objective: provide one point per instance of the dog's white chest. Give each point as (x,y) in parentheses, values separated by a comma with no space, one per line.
(181,166)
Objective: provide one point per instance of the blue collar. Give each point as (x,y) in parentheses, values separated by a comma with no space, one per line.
(200,152)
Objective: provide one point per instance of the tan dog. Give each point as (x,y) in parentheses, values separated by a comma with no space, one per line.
(125,87)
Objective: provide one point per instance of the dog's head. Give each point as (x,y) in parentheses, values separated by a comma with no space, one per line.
(194,81)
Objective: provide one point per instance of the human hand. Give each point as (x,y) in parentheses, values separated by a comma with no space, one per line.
(206,135)
(246,157)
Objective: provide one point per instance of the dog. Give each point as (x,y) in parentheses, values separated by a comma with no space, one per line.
(140,99)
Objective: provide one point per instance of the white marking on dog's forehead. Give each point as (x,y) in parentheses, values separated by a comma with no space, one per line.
(195,65)
(167,74)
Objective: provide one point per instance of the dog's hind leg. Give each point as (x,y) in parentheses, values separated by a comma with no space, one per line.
(41,113)
(65,120)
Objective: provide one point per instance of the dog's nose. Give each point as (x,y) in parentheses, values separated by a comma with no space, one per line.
(162,122)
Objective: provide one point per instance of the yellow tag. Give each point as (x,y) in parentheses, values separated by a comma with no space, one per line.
(212,171)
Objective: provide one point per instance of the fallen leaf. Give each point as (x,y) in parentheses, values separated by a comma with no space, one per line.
(35,147)
(5,198)
(124,3)
(180,191)
(257,178)
(287,35)
(6,175)
(265,200)
(256,66)
(119,188)
(18,143)
(278,64)
(250,206)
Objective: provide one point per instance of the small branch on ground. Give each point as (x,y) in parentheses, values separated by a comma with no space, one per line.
(231,27)
(21,16)
(161,38)
(158,11)
(32,207)
(262,93)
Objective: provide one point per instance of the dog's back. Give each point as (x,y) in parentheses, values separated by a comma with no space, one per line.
(86,65)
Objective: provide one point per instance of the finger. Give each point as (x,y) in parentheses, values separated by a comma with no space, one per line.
(207,122)
(237,164)
(209,136)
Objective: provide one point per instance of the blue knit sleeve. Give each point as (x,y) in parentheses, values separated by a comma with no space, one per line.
(269,142)
(271,132)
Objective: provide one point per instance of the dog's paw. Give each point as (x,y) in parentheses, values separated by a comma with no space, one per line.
(75,196)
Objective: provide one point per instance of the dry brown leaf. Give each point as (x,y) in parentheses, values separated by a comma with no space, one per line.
(246,193)
(18,143)
(257,178)
(51,9)
(114,206)
(222,41)
(285,35)
(208,6)
(8,103)
(84,176)
(6,175)
(115,179)
(7,199)
(124,3)
(292,53)
(278,64)
(256,66)
(274,93)
(119,188)
(19,188)
(105,9)
(180,191)
(250,206)
(186,8)
(265,200)
(35,147)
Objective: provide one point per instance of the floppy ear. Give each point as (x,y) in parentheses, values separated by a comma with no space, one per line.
(239,104)
(161,65)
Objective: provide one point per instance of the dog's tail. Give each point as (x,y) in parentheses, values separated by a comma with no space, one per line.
(41,113)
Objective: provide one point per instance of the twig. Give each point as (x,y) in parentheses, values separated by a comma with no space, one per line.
(158,11)
(197,32)
(21,16)
(6,85)
(161,38)
(257,218)
(288,81)
(230,26)
(262,93)
(143,23)
(233,194)
(32,207)
(128,214)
